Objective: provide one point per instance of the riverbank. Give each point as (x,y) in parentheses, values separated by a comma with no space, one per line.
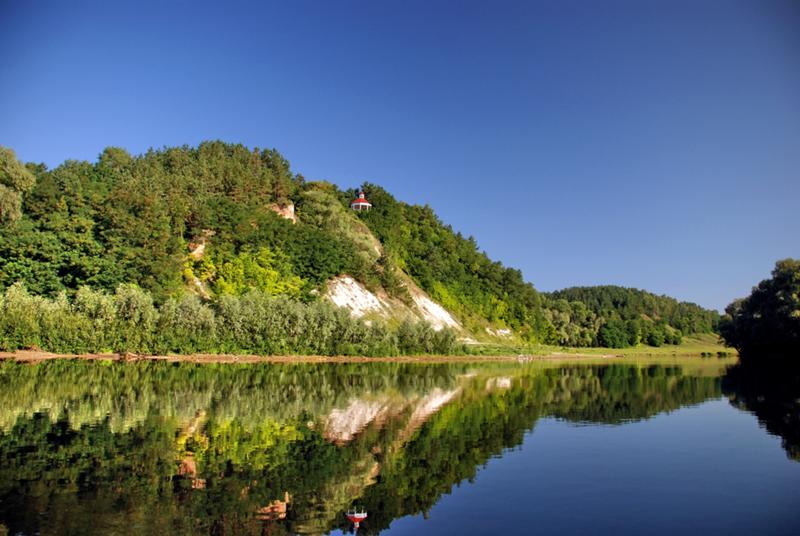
(693,347)
(35,356)
(700,345)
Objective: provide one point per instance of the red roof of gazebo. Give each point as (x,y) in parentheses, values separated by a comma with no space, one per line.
(360,200)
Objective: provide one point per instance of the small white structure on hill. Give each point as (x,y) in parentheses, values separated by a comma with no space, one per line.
(360,203)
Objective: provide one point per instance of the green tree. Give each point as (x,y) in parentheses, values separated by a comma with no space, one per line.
(766,324)
(613,334)
(15,181)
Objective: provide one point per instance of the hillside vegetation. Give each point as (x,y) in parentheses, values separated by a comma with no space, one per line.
(174,250)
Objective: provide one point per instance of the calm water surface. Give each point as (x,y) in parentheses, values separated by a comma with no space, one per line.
(160,448)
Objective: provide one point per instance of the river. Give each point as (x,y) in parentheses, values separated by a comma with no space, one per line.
(690,446)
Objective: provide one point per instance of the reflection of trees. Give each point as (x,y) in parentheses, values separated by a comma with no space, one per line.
(772,393)
(130,483)
(462,437)
(207,449)
(129,392)
(620,393)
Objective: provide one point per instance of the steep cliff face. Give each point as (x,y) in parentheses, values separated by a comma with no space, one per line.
(344,291)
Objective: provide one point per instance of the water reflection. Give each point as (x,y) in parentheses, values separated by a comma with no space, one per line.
(144,448)
(773,395)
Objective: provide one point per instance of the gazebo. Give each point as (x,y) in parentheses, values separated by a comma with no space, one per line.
(360,203)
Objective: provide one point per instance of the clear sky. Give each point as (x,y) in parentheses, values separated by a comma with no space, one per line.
(653,144)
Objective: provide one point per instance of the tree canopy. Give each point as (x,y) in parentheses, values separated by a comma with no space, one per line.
(766,324)
(15,180)
(617,317)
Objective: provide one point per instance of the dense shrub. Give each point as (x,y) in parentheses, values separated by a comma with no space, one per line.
(254,323)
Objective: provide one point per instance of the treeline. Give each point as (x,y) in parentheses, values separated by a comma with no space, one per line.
(612,301)
(253,323)
(133,220)
(617,317)
(765,326)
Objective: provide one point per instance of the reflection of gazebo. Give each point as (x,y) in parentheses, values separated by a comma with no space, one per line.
(356,517)
(360,203)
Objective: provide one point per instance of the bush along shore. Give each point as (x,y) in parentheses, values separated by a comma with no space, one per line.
(128,321)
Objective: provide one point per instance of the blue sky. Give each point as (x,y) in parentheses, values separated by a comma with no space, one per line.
(647,144)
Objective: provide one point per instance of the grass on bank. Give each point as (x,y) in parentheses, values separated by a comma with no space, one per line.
(701,345)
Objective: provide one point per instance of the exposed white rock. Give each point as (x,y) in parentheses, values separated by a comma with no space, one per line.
(433,313)
(498,332)
(286,212)
(344,291)
(197,247)
(200,288)
(198,251)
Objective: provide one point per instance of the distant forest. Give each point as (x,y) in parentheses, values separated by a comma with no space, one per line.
(131,222)
(629,316)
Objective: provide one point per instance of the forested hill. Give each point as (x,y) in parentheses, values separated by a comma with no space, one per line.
(198,228)
(636,315)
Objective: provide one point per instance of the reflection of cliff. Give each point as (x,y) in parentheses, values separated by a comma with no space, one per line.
(773,395)
(342,425)
(425,408)
(378,426)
